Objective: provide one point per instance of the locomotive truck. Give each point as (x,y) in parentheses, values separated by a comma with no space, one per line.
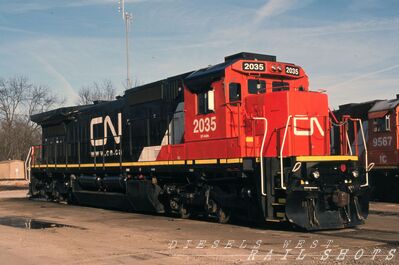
(245,139)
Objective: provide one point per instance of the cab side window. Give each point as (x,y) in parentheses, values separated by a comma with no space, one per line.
(234,92)
(382,124)
(205,102)
(256,86)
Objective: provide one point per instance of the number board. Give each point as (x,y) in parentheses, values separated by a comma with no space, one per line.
(253,67)
(290,70)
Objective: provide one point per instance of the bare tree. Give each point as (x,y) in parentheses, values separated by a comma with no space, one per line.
(20,98)
(12,92)
(103,90)
(40,99)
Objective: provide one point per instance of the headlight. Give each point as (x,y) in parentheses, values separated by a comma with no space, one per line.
(355,173)
(315,174)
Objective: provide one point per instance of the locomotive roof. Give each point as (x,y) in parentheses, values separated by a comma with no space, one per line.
(163,89)
(356,110)
(57,115)
(385,105)
(201,79)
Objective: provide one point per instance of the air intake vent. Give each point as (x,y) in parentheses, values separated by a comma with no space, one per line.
(250,56)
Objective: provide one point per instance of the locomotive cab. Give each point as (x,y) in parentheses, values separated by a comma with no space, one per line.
(261,110)
(383,131)
(383,144)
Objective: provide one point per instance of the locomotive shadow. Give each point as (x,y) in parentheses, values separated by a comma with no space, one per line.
(253,224)
(234,221)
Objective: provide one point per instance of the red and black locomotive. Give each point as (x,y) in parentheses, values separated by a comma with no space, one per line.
(381,120)
(245,138)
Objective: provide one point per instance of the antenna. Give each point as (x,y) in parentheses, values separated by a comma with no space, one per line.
(127,18)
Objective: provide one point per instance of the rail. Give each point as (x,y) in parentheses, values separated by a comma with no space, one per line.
(262,174)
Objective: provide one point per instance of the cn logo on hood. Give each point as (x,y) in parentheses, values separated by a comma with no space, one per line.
(107,126)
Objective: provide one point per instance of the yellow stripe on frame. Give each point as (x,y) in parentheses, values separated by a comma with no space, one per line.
(88,165)
(144,163)
(234,160)
(326,158)
(206,161)
(178,162)
(110,165)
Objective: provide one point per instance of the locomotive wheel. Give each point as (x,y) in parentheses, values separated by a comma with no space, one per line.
(223,216)
(184,213)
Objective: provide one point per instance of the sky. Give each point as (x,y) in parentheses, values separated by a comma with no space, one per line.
(348,47)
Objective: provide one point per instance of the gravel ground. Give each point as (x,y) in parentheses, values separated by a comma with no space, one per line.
(97,236)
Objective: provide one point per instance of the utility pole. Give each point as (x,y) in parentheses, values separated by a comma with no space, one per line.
(127,18)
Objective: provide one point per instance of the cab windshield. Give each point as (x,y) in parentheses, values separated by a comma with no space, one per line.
(256,86)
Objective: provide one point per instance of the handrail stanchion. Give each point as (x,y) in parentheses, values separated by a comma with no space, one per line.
(356,143)
(27,163)
(262,177)
(348,142)
(281,153)
(366,160)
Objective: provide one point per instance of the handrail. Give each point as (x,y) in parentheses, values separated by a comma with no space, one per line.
(281,154)
(348,143)
(333,115)
(261,154)
(27,163)
(366,161)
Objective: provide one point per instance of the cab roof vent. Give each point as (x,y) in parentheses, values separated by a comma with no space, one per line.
(250,56)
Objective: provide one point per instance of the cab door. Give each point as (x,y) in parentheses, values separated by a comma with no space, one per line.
(205,115)
(233,106)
